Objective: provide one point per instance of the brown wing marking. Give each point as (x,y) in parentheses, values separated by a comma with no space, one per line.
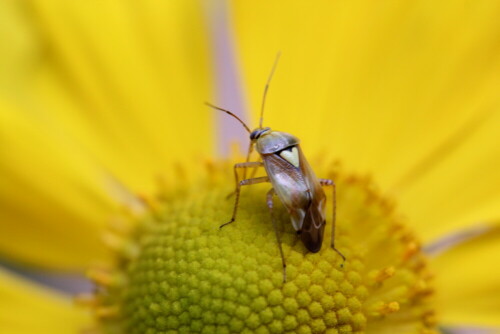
(313,226)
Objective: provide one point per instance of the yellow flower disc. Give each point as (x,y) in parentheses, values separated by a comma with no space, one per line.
(180,273)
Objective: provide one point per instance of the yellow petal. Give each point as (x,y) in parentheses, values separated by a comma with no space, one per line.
(380,86)
(17,44)
(111,95)
(26,308)
(52,204)
(133,78)
(462,188)
(468,282)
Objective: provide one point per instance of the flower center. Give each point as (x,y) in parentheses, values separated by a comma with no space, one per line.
(178,272)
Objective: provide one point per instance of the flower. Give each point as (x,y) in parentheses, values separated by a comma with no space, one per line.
(91,100)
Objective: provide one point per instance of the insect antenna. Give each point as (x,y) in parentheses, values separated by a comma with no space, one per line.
(267,88)
(230,113)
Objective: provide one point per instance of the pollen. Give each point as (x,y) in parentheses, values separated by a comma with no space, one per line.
(176,271)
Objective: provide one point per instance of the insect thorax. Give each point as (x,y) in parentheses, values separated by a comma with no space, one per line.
(275,141)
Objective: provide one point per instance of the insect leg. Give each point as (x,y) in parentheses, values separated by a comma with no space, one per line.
(270,205)
(330,183)
(250,150)
(246,182)
(254,170)
(244,165)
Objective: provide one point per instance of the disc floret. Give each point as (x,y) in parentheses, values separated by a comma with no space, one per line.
(179,273)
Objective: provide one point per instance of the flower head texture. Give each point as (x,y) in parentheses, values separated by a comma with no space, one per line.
(189,276)
(110,167)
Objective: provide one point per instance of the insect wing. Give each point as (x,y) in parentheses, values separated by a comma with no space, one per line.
(300,192)
(290,186)
(313,225)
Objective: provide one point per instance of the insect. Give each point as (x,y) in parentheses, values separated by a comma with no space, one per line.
(292,179)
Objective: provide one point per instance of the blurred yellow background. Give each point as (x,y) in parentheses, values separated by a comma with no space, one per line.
(100,99)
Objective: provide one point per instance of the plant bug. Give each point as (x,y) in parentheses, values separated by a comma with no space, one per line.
(292,180)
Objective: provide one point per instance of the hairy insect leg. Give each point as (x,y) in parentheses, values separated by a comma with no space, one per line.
(270,205)
(330,183)
(244,166)
(241,183)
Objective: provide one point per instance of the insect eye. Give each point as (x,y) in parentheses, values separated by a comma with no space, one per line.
(254,135)
(258,132)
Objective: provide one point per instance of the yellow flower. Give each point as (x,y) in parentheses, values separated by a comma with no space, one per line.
(101,101)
